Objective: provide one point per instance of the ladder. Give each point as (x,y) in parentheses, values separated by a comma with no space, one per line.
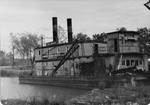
(72,49)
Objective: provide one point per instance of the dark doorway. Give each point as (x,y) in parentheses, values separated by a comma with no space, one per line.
(115,45)
(87,69)
(95,49)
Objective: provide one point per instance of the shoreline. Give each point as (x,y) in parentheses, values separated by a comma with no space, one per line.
(112,96)
(14,73)
(31,102)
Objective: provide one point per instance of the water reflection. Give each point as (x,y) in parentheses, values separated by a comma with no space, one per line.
(11,89)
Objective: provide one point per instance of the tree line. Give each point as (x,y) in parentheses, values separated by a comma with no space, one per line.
(5,58)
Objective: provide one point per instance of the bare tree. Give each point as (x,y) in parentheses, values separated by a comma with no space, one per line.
(24,44)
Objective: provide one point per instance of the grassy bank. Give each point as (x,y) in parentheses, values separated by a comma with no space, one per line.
(114,96)
(4,73)
(31,102)
(111,96)
(14,73)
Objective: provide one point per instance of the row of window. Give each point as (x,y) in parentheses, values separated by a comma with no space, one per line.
(131,40)
(57,50)
(131,62)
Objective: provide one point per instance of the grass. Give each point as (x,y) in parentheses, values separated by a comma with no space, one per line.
(4,73)
(33,101)
(112,96)
(13,73)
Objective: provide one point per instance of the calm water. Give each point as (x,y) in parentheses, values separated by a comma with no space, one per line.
(11,89)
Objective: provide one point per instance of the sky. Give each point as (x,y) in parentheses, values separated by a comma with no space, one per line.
(88,16)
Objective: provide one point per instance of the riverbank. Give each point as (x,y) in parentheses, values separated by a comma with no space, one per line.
(114,96)
(14,73)
(31,102)
(9,71)
(110,96)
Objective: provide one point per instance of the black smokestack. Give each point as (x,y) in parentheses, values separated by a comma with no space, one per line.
(55,34)
(69,28)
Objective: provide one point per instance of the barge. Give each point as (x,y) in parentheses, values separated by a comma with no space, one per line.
(67,82)
(65,64)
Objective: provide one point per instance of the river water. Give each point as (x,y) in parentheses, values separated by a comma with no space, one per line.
(11,89)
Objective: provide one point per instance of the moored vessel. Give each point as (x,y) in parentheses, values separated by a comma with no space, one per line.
(87,64)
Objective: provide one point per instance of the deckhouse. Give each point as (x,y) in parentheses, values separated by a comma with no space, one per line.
(122,50)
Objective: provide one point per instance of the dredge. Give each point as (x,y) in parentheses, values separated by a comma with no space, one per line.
(88,64)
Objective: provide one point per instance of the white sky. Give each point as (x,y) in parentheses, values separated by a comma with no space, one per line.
(88,16)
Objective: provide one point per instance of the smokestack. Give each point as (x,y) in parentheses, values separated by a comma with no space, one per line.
(69,28)
(55,34)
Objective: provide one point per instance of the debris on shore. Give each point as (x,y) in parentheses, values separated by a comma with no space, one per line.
(113,96)
(108,96)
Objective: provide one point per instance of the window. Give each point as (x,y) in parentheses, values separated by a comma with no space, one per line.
(140,62)
(123,62)
(122,40)
(58,50)
(128,62)
(132,62)
(136,62)
(67,48)
(39,52)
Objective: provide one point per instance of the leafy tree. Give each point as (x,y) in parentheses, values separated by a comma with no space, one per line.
(5,58)
(121,29)
(2,58)
(2,53)
(144,39)
(10,58)
(99,37)
(82,37)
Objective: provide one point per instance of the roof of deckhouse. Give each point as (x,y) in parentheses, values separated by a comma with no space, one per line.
(123,32)
(60,44)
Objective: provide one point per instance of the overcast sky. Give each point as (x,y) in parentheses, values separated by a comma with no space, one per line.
(88,16)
